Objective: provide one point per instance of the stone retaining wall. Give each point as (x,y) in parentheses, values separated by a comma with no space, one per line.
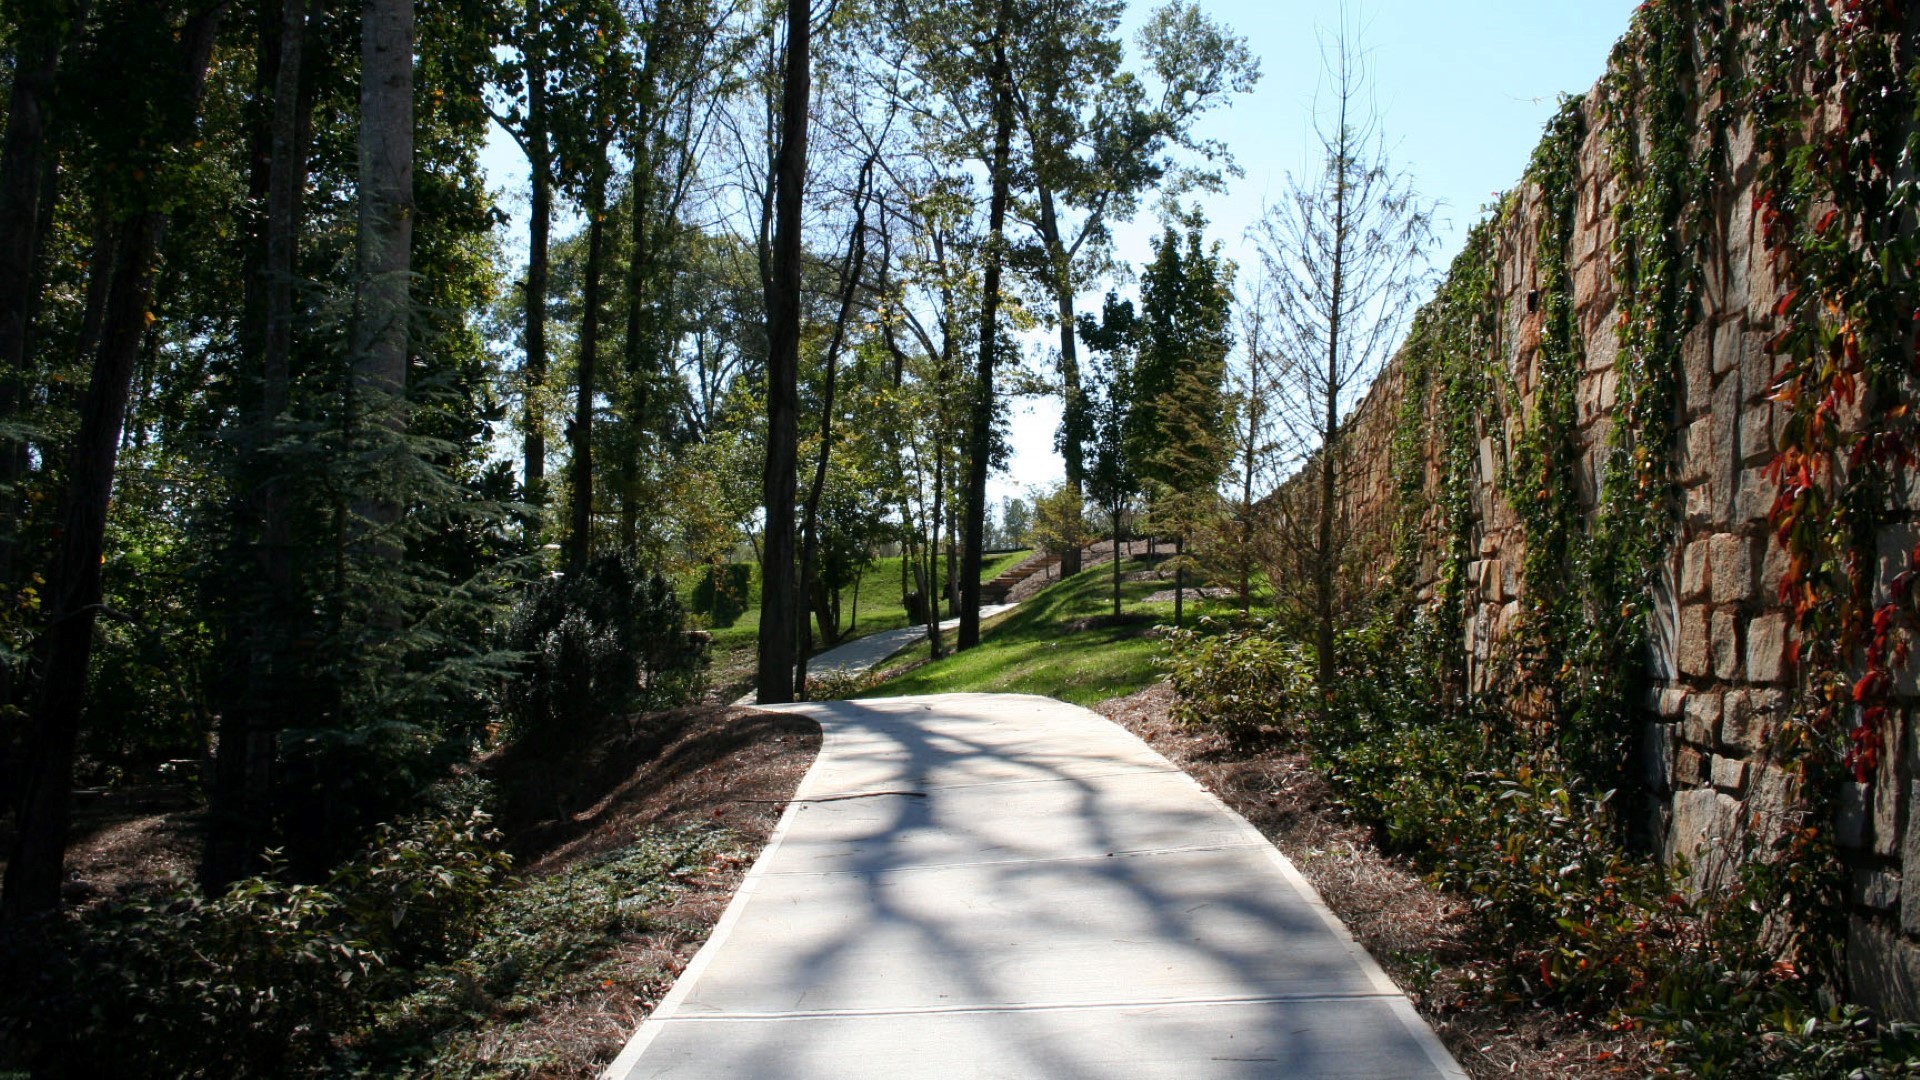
(1720,667)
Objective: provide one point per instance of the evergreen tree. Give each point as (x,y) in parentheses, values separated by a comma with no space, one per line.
(1178,426)
(1113,481)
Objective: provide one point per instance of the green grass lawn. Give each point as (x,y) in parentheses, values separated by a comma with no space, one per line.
(879,602)
(1047,646)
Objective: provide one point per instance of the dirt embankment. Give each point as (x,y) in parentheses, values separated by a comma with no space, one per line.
(560,809)
(1428,941)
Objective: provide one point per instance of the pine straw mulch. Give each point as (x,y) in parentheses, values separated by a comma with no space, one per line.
(704,766)
(1426,940)
(126,840)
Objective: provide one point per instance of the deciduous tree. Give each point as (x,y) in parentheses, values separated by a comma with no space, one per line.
(1344,251)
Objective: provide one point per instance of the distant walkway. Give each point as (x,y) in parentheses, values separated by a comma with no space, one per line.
(998,885)
(863,654)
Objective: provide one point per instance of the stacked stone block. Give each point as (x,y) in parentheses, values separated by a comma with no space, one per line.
(1721,637)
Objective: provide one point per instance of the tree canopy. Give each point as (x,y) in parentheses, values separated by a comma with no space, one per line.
(294,411)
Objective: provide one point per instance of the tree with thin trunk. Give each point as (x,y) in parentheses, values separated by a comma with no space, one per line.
(43,31)
(980,432)
(1345,253)
(851,281)
(579,543)
(927,339)
(1112,480)
(1099,139)
(1258,453)
(251,720)
(34,867)
(1178,422)
(779,599)
(384,242)
(535,138)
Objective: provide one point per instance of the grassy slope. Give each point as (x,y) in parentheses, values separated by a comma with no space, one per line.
(880,607)
(1036,649)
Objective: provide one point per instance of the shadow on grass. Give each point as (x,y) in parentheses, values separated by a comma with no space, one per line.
(1063,643)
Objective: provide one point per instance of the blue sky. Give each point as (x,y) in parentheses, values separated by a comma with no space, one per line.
(1462,87)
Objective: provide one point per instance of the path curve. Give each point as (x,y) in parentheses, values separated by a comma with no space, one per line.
(999,885)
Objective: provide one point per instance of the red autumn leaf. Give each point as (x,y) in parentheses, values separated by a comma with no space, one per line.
(1869,685)
(1826,221)
(1785,302)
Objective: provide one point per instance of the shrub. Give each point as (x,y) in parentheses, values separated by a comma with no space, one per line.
(1576,916)
(607,641)
(1247,683)
(261,979)
(1059,521)
(542,939)
(723,592)
(1716,1022)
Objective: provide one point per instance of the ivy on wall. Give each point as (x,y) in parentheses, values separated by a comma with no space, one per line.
(1838,207)
(1832,93)
(1445,369)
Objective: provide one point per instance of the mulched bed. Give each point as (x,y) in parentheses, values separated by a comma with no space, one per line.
(706,766)
(731,767)
(1425,939)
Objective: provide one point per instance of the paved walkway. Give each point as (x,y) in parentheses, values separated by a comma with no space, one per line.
(862,654)
(991,885)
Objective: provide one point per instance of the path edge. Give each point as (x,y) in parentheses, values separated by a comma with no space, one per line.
(622,1067)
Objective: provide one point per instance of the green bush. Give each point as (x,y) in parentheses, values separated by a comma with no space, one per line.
(260,980)
(1578,916)
(1250,684)
(608,641)
(1716,1022)
(541,939)
(723,593)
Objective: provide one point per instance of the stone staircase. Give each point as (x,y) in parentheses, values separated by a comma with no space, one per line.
(995,591)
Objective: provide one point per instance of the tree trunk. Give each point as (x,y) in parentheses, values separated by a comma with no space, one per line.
(249,725)
(810,542)
(1118,548)
(980,435)
(580,432)
(1251,451)
(35,866)
(385,245)
(26,198)
(1329,452)
(778,603)
(853,617)
(1179,577)
(934,599)
(638,346)
(1073,397)
(540,222)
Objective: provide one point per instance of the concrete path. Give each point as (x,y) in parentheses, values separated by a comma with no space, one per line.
(990,885)
(862,654)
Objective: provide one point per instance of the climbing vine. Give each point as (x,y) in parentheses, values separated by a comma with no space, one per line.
(1830,95)
(1547,646)
(1833,95)
(1838,211)
(1445,370)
